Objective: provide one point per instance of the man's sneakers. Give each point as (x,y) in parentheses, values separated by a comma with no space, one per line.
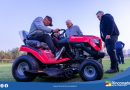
(58,54)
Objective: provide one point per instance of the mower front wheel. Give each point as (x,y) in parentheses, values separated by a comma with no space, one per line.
(22,64)
(91,70)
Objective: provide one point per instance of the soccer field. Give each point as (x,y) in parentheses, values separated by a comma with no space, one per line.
(6,75)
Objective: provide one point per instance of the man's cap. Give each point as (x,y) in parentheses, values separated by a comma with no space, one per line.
(50,19)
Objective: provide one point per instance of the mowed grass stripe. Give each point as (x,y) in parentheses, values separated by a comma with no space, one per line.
(6,74)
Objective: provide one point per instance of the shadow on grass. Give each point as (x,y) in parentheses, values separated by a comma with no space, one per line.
(53,80)
(106,76)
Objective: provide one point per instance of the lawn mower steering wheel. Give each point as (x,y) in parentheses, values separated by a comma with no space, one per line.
(53,33)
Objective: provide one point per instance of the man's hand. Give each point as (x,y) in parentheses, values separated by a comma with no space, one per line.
(108,37)
(56,30)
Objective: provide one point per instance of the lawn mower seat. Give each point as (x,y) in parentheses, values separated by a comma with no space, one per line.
(23,35)
(32,43)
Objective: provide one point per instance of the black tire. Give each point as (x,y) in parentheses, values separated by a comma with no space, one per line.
(91,70)
(100,61)
(22,63)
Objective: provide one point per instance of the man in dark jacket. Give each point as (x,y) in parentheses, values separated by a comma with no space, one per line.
(119,51)
(109,34)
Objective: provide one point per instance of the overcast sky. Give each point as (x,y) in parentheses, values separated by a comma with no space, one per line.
(16,15)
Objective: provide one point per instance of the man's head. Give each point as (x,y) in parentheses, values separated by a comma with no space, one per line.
(47,21)
(69,24)
(100,14)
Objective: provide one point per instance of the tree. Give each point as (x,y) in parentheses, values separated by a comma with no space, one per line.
(14,53)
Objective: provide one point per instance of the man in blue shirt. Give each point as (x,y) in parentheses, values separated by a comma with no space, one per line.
(39,31)
(119,51)
(72,30)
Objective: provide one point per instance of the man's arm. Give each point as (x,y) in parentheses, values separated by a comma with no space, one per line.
(109,24)
(102,37)
(38,22)
(123,44)
(79,31)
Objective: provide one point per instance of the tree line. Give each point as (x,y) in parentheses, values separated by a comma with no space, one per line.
(10,54)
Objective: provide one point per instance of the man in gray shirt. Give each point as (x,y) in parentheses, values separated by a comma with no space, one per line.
(73,30)
(39,31)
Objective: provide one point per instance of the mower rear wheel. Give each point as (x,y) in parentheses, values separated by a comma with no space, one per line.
(22,64)
(91,70)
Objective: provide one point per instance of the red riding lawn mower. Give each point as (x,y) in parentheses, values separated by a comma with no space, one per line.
(83,57)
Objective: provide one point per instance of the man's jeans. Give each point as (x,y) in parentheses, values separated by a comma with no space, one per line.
(120,56)
(110,46)
(63,41)
(44,38)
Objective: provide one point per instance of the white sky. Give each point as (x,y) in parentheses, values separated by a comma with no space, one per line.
(16,15)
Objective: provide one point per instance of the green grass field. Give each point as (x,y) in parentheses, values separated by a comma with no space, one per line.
(5,73)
